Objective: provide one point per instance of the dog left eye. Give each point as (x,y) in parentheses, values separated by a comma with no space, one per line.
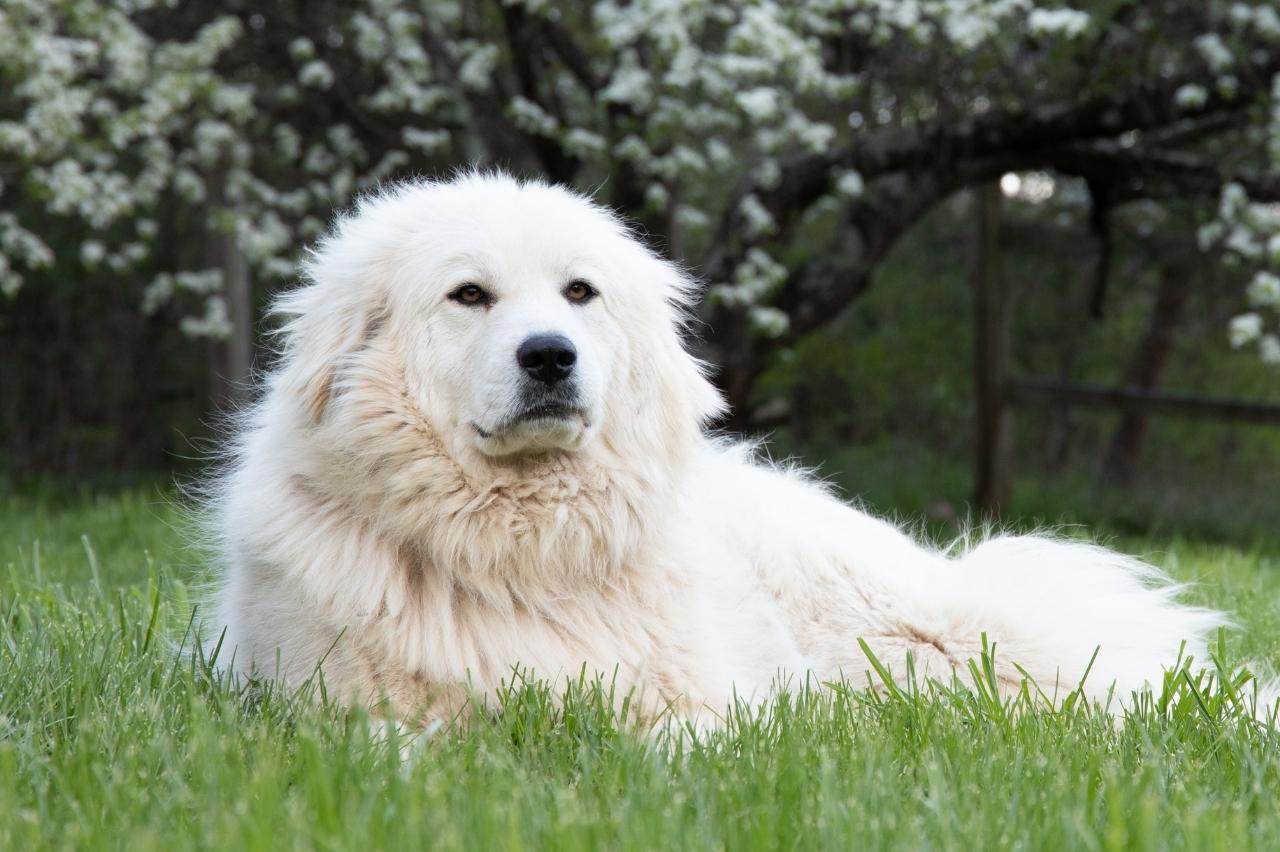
(579,292)
(471,294)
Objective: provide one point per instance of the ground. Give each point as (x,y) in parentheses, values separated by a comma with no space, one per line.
(109,739)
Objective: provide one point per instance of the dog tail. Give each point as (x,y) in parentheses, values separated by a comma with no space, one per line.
(1075,615)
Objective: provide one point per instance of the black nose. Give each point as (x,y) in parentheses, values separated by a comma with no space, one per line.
(549,358)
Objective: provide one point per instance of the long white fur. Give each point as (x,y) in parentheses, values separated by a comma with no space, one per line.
(368,529)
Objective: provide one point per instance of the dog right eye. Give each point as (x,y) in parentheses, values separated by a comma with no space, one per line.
(472,295)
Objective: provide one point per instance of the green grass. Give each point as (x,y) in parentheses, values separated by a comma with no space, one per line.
(108,740)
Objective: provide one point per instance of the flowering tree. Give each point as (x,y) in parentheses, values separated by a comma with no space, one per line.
(779,150)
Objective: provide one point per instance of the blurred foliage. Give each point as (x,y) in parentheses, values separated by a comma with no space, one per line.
(810,161)
(881,400)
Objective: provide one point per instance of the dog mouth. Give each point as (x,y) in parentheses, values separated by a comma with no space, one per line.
(548,411)
(544,412)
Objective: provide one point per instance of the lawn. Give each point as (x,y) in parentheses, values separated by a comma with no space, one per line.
(108,739)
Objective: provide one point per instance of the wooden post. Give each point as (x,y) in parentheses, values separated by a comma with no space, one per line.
(992,476)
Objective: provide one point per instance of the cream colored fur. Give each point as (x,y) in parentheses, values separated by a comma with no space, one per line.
(368,524)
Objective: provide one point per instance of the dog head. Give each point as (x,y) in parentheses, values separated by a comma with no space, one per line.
(527,320)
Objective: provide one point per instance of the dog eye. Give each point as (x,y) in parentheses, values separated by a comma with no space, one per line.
(471,294)
(579,291)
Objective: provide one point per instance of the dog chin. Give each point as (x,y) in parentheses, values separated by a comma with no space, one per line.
(536,434)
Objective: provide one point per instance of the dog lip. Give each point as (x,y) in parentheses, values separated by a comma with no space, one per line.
(546,411)
(542,411)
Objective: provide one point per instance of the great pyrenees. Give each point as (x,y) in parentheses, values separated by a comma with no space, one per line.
(483,450)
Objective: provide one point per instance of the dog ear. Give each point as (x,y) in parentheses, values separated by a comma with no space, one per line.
(680,399)
(326,322)
(686,385)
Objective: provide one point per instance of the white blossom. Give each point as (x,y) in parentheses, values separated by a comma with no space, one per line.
(768,174)
(757,219)
(1242,241)
(760,103)
(584,142)
(850,184)
(1245,329)
(657,196)
(1232,201)
(532,118)
(1264,290)
(1269,349)
(316,74)
(691,218)
(288,142)
(1263,18)
(19,243)
(1214,51)
(17,139)
(768,321)
(214,324)
(427,141)
(189,185)
(263,239)
(1191,96)
(302,49)
(969,31)
(754,280)
(1068,23)
(201,281)
(720,154)
(211,138)
(632,148)
(630,83)
(92,252)
(476,71)
(10,279)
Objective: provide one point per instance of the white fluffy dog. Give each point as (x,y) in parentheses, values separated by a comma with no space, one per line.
(483,449)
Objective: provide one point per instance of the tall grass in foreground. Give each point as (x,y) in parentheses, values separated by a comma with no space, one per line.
(110,739)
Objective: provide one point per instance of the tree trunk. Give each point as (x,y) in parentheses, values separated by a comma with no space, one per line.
(991,355)
(1121,461)
(231,360)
